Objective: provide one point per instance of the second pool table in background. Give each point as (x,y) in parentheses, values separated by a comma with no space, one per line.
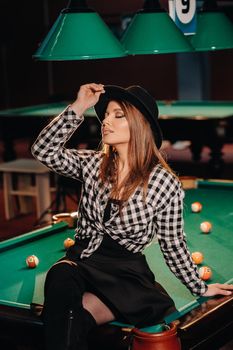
(204,123)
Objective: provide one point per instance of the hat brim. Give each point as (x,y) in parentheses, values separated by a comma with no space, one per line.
(118,93)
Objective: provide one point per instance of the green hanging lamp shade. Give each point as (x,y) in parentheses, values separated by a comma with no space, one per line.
(152,31)
(79,34)
(214,29)
(214,32)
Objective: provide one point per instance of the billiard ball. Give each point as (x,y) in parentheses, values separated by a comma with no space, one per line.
(206,227)
(197,257)
(205,273)
(32,261)
(68,242)
(196,207)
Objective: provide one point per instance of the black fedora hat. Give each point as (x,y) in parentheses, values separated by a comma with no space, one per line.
(139,98)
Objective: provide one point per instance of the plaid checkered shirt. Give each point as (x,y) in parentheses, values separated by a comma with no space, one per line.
(159,216)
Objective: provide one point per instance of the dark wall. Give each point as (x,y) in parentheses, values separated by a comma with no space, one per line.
(222,75)
(26,82)
(156,73)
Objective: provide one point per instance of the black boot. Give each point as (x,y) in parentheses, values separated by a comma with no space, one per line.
(66,322)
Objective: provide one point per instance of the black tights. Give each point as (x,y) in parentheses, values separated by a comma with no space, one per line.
(66,322)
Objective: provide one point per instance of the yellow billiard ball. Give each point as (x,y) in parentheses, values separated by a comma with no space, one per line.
(206,227)
(68,242)
(197,257)
(196,207)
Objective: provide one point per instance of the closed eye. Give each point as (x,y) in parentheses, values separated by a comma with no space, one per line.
(120,116)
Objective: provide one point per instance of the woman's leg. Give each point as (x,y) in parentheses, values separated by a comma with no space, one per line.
(70,312)
(101,313)
(66,321)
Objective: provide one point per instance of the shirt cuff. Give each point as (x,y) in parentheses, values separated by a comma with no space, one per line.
(70,115)
(202,290)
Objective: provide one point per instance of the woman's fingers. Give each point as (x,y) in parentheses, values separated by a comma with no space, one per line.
(88,95)
(94,87)
(219,289)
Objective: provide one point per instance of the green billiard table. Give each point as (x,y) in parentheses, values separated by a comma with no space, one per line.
(207,321)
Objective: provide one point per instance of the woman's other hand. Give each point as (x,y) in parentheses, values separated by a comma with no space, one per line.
(218,289)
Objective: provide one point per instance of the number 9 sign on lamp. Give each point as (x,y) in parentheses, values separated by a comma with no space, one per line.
(185,10)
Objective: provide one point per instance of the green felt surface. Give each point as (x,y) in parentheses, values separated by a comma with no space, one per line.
(172,109)
(43,110)
(196,110)
(20,286)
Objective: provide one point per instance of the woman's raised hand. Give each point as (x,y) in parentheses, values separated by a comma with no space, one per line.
(87,96)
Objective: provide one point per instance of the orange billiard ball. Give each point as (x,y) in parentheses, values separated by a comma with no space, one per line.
(205,273)
(32,261)
(197,257)
(196,207)
(68,242)
(206,227)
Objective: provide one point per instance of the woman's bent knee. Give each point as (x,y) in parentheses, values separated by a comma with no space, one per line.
(59,274)
(64,275)
(62,266)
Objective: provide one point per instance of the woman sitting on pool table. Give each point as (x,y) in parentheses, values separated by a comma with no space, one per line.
(130,196)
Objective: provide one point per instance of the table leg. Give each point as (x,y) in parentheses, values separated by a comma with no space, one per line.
(43,198)
(216,143)
(8,202)
(196,148)
(216,163)
(25,202)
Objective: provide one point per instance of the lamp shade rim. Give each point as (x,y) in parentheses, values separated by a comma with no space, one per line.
(159,51)
(76,57)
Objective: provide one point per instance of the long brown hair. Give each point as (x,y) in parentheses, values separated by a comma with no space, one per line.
(143,155)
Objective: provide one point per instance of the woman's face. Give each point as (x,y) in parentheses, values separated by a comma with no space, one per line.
(115,127)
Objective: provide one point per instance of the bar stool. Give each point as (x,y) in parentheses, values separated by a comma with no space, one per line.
(17,182)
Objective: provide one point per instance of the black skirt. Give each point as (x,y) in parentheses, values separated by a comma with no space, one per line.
(124,282)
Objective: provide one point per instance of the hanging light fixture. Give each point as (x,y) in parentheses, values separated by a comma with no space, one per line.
(79,34)
(214,29)
(152,31)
